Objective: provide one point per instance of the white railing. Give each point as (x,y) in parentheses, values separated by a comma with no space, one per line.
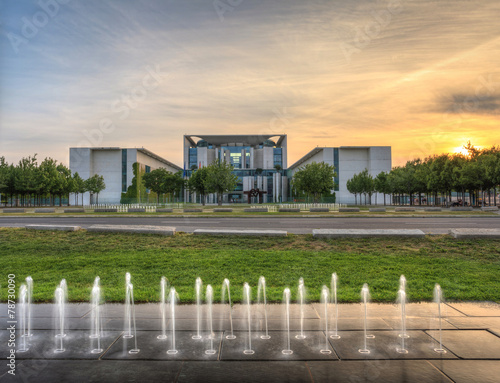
(307,206)
(151,208)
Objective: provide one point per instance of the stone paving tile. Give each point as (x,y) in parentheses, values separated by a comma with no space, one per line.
(110,371)
(257,324)
(470,344)
(46,323)
(385,345)
(117,310)
(44,310)
(477,308)
(271,349)
(384,310)
(152,348)
(419,323)
(356,310)
(467,371)
(140,323)
(475,322)
(430,309)
(77,345)
(244,372)
(374,371)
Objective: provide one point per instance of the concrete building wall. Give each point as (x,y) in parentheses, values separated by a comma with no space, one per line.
(107,162)
(109,165)
(352,160)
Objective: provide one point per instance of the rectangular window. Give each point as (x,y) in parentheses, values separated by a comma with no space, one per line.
(277,157)
(336,164)
(124,170)
(148,169)
(193,157)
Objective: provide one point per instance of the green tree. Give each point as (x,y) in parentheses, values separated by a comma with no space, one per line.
(4,179)
(64,182)
(354,186)
(94,185)
(314,179)
(78,186)
(161,181)
(25,178)
(137,188)
(220,179)
(173,184)
(154,181)
(381,184)
(48,178)
(198,183)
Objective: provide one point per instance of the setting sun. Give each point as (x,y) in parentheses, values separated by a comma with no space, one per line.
(461,150)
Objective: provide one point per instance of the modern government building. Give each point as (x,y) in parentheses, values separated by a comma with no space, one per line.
(259,161)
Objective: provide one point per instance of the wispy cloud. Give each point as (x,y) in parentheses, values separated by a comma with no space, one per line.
(407,67)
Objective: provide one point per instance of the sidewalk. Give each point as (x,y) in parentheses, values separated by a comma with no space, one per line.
(470,336)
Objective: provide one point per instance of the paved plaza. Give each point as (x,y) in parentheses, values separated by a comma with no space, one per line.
(470,336)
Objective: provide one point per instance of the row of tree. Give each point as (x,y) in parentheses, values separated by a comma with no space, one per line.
(214,178)
(29,183)
(432,180)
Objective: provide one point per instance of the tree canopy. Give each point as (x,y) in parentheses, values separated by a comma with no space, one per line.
(220,179)
(314,179)
(198,183)
(436,177)
(30,183)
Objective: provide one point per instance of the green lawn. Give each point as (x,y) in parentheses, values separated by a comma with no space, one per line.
(466,270)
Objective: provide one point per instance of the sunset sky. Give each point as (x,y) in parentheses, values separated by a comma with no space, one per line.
(420,76)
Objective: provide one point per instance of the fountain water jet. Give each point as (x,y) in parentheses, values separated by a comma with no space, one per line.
(402,283)
(247,300)
(325,300)
(301,298)
(365,296)
(198,285)
(403,335)
(61,294)
(402,301)
(29,301)
(261,290)
(438,298)
(334,281)
(286,300)
(172,299)
(225,287)
(130,294)
(128,309)
(163,293)
(209,300)
(23,303)
(96,328)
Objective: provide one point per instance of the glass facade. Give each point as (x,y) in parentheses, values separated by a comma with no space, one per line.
(124,170)
(193,157)
(235,155)
(336,164)
(278,157)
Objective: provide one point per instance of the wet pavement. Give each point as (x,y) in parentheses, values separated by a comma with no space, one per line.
(470,337)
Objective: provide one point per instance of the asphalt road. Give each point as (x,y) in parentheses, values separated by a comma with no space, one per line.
(296,225)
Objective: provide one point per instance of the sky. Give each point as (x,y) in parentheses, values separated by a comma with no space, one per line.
(420,76)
